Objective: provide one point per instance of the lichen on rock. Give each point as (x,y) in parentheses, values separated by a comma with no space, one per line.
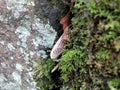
(22,34)
(52,10)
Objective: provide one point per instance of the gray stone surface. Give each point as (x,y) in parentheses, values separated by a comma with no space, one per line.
(23,38)
(53,10)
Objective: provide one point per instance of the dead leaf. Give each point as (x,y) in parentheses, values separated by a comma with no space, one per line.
(60,44)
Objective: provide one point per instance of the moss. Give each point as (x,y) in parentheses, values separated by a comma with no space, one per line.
(91,60)
(114,83)
(72,67)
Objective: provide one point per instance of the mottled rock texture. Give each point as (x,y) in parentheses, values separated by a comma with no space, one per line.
(23,39)
(53,10)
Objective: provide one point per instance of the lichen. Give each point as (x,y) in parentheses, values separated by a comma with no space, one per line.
(47,34)
(3,65)
(17,77)
(2,42)
(19,67)
(19,28)
(10,46)
(22,33)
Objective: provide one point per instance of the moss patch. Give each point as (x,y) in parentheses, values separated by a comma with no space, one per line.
(114,83)
(91,60)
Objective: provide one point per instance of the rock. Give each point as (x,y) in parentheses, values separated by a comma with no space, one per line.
(23,39)
(53,10)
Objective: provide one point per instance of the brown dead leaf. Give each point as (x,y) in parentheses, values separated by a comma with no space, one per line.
(60,44)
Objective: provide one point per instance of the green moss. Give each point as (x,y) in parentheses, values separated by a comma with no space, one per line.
(91,60)
(114,83)
(72,67)
(43,75)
